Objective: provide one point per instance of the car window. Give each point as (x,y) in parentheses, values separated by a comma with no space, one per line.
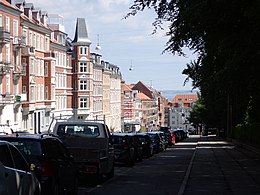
(117,139)
(5,156)
(19,161)
(81,129)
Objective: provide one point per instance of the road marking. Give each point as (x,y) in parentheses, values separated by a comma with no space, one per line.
(185,180)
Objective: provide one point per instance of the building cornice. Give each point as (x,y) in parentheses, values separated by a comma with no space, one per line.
(35,27)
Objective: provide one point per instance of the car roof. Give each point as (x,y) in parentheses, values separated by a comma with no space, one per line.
(119,134)
(79,122)
(3,142)
(28,136)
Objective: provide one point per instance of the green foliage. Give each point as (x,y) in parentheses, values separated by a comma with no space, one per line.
(225,35)
(247,133)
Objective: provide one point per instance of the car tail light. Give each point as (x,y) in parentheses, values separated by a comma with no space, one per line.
(91,169)
(46,170)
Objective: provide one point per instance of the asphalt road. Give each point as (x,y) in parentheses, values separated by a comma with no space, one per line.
(161,174)
(196,166)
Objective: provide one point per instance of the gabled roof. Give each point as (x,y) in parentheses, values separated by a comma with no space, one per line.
(140,86)
(81,33)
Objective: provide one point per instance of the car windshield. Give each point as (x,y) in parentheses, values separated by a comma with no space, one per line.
(81,130)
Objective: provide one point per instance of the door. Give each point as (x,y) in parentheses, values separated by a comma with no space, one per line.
(25,178)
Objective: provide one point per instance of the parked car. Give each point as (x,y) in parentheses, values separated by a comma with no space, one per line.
(157,142)
(90,144)
(147,145)
(137,146)
(124,149)
(55,167)
(169,136)
(177,134)
(16,176)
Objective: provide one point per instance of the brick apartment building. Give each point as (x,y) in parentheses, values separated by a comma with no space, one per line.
(43,74)
(179,112)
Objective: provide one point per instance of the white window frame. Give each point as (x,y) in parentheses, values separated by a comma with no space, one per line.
(83,67)
(83,50)
(83,102)
(83,85)
(15,28)
(7,23)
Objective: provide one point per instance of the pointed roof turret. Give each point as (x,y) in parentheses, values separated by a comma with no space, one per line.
(81,33)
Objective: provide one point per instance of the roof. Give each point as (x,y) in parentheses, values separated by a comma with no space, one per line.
(127,87)
(185,98)
(6,3)
(142,87)
(142,96)
(81,33)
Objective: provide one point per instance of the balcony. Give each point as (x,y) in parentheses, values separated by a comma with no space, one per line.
(6,99)
(28,51)
(50,54)
(19,42)
(4,36)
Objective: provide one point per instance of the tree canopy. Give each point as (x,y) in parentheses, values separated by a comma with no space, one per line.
(226,37)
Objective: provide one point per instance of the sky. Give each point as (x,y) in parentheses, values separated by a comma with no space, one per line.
(124,42)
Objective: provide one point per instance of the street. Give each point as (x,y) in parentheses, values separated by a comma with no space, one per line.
(197,165)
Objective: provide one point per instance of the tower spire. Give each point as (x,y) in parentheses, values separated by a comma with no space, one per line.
(81,33)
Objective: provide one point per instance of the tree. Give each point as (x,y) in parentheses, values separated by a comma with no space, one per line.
(225,35)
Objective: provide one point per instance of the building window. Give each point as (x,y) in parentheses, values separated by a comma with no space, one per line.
(8,87)
(32,96)
(83,67)
(46,69)
(7,24)
(53,92)
(83,50)
(30,39)
(83,102)
(24,89)
(83,85)
(15,28)
(46,92)
(1,20)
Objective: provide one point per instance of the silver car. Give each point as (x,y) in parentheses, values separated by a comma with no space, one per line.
(15,173)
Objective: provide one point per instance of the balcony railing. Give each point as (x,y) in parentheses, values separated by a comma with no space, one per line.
(4,36)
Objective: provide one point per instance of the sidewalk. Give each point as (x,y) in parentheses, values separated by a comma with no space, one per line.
(221,167)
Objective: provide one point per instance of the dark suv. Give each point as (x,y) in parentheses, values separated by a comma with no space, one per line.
(124,148)
(55,168)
